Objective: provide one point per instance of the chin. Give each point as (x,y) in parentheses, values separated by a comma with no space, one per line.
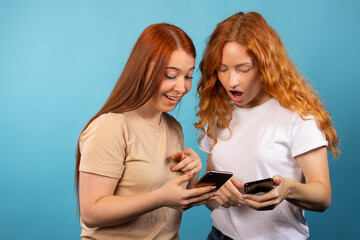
(167,109)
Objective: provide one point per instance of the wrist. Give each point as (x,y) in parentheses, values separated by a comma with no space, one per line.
(291,188)
(159,197)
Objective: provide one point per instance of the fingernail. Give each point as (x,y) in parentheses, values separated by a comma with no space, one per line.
(216,194)
(212,198)
(213,187)
(239,205)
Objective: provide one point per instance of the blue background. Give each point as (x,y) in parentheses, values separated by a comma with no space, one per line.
(59,60)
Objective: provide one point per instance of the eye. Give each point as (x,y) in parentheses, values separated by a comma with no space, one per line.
(222,69)
(189,77)
(170,77)
(244,70)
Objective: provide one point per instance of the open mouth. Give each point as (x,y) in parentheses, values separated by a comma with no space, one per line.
(236,95)
(172,98)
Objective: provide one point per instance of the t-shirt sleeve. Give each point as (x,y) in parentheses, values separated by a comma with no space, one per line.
(306,136)
(102,147)
(205,145)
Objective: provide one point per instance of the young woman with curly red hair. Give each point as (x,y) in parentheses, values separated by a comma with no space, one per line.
(260,119)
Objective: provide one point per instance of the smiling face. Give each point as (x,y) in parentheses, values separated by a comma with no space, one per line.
(240,77)
(176,83)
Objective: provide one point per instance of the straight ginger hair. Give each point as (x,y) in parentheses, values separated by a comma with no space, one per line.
(278,77)
(132,90)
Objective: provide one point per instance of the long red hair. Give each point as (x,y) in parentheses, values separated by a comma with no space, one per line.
(279,76)
(132,90)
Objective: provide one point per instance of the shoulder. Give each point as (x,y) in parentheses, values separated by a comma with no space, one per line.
(291,115)
(106,125)
(282,110)
(111,117)
(108,120)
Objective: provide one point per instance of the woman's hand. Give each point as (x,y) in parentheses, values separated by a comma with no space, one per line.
(188,160)
(314,195)
(229,194)
(271,199)
(175,196)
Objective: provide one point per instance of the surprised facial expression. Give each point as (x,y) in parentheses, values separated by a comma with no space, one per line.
(239,75)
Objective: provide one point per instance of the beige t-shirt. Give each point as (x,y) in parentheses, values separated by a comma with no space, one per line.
(127,147)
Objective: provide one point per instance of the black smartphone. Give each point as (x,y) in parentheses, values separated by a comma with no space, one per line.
(216,178)
(259,187)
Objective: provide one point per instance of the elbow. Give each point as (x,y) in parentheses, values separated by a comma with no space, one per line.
(88,221)
(323,208)
(325,203)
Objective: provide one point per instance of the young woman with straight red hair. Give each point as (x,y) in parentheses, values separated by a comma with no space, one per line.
(261,119)
(133,175)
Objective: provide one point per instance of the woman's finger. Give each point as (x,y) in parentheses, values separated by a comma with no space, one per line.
(269,205)
(201,198)
(227,197)
(183,163)
(271,195)
(176,156)
(233,189)
(191,166)
(220,201)
(237,183)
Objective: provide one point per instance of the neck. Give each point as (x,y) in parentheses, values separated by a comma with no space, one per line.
(149,114)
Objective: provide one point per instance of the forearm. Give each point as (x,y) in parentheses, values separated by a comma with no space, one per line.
(313,196)
(113,210)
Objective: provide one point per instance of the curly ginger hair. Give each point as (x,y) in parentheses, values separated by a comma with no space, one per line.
(278,77)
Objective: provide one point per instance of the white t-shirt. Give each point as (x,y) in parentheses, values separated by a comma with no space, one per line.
(264,141)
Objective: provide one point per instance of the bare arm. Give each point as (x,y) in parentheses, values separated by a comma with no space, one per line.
(314,195)
(99,207)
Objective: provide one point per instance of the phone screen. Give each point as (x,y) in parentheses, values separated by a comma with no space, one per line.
(217,178)
(259,187)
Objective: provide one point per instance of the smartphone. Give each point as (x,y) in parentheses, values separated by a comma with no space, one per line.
(259,187)
(216,178)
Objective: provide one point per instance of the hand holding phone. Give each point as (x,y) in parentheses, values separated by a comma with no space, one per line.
(217,178)
(259,187)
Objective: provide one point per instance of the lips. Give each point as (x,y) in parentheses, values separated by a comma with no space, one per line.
(236,96)
(171,99)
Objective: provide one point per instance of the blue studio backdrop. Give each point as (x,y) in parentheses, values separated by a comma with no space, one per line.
(59,60)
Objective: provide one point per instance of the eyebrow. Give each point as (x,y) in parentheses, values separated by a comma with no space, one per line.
(177,69)
(239,65)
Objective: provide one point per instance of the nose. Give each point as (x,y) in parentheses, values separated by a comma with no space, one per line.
(233,79)
(180,85)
